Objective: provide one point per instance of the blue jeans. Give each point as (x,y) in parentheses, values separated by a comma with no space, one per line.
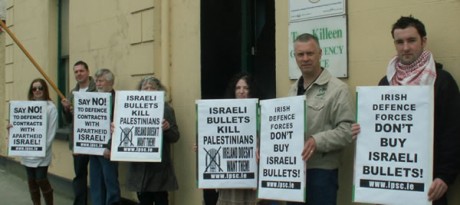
(80,181)
(322,185)
(105,189)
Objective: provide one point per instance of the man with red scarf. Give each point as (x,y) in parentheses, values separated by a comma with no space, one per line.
(413,65)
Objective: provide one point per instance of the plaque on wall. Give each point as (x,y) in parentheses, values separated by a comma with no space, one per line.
(332,35)
(300,10)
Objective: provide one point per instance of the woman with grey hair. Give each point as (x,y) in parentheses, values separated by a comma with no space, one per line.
(153,180)
(151,83)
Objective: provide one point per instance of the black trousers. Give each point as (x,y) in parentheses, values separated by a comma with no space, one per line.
(210,196)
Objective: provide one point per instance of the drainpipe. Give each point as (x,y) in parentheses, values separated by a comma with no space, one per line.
(165,61)
(164,44)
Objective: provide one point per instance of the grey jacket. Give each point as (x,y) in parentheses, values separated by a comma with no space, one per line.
(329,118)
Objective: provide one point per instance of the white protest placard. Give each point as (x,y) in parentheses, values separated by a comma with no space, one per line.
(282,131)
(91,122)
(394,151)
(138,135)
(28,134)
(227,140)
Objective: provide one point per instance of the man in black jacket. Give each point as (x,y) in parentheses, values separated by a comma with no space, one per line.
(84,84)
(413,65)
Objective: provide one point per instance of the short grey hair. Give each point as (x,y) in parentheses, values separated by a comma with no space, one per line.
(106,73)
(305,37)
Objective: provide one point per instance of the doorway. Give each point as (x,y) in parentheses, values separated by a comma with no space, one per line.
(237,36)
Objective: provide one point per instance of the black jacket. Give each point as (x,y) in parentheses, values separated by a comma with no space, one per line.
(68,115)
(446,153)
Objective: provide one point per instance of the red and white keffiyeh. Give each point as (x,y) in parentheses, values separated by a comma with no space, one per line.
(420,72)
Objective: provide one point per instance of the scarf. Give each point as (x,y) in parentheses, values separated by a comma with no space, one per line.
(421,72)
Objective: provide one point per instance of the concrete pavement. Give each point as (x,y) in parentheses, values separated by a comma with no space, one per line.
(14,190)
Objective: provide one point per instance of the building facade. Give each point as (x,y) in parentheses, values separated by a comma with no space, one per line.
(193,47)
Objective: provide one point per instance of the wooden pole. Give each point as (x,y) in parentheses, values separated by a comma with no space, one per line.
(53,85)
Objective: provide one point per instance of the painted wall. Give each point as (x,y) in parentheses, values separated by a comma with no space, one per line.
(137,38)
(185,89)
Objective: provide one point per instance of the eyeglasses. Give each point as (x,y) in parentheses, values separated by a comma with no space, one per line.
(40,88)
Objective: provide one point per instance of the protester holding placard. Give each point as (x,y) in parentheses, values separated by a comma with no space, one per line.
(153,180)
(37,167)
(105,188)
(85,83)
(241,86)
(413,65)
(329,119)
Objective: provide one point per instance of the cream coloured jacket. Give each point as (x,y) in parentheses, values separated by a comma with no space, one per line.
(329,119)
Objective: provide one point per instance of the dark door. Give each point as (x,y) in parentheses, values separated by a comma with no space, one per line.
(237,36)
